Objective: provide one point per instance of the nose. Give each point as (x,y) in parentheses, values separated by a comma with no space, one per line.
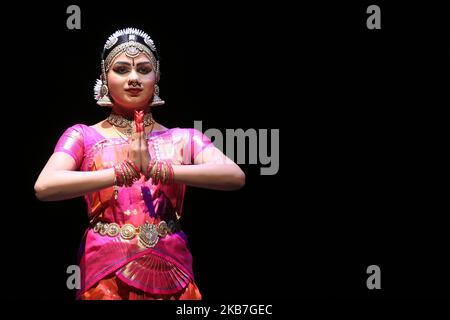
(133,76)
(133,79)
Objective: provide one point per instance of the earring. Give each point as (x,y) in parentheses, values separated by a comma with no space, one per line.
(101,90)
(104,101)
(157,101)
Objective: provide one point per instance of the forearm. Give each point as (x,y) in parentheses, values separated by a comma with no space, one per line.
(210,176)
(64,184)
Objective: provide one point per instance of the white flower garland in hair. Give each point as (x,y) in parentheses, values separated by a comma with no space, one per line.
(98,89)
(112,40)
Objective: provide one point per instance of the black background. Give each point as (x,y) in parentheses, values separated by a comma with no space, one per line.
(362,119)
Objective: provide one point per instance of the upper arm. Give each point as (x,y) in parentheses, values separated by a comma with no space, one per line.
(68,153)
(72,144)
(57,161)
(60,161)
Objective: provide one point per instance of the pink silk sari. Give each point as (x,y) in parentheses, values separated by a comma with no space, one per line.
(164,270)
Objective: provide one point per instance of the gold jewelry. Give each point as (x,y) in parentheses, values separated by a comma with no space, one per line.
(122,122)
(151,130)
(120,134)
(160,171)
(148,234)
(156,101)
(126,139)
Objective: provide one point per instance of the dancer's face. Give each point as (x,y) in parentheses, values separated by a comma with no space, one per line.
(131,81)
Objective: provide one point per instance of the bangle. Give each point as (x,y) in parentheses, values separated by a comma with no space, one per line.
(126,173)
(160,171)
(171,174)
(133,165)
(165,172)
(119,177)
(133,175)
(150,165)
(118,181)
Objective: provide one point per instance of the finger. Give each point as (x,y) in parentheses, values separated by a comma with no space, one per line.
(143,142)
(135,146)
(145,156)
(137,138)
(139,120)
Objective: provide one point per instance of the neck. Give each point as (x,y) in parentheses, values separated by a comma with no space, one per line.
(121,121)
(128,113)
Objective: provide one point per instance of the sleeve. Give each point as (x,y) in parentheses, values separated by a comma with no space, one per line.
(198,142)
(72,143)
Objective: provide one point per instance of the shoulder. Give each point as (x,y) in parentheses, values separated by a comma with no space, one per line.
(188,131)
(194,136)
(159,127)
(79,131)
(100,125)
(75,129)
(177,135)
(194,133)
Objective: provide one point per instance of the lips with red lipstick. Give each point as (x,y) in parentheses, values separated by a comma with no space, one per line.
(133,91)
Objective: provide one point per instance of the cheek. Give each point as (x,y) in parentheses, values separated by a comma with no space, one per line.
(149,81)
(116,85)
(115,82)
(149,85)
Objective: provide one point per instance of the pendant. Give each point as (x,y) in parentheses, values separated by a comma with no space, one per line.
(148,235)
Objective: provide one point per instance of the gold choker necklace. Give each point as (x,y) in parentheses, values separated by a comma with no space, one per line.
(122,122)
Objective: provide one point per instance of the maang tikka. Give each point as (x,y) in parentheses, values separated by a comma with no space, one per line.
(132,41)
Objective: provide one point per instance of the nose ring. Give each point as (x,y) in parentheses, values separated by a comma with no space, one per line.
(135,83)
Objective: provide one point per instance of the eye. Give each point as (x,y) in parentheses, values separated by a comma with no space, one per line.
(121,70)
(144,70)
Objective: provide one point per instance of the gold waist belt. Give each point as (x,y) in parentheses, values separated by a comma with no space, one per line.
(148,234)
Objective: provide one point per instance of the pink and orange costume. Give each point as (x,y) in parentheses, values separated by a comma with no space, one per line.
(116,260)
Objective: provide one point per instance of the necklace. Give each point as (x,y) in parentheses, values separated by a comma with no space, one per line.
(127,138)
(117,120)
(120,134)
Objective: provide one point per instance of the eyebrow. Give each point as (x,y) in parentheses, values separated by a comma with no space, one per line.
(129,64)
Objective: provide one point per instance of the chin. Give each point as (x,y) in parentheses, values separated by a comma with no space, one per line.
(130,104)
